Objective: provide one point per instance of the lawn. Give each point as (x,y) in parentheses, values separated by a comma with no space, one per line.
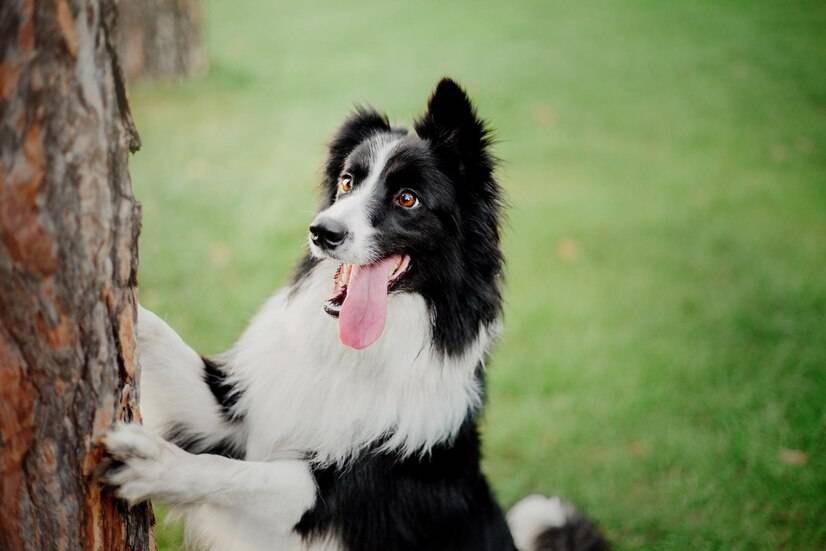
(664,358)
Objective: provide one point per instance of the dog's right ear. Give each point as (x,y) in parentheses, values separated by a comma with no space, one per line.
(363,123)
(456,134)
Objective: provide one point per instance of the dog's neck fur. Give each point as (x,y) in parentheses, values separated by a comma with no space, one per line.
(307,394)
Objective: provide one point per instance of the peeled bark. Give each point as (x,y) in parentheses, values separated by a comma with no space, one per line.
(68,258)
(161,39)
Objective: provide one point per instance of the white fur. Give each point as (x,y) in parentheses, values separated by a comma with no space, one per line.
(353,210)
(534,514)
(308,392)
(303,393)
(255,504)
(172,386)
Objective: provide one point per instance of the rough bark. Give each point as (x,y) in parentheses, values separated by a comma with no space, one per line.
(161,39)
(68,235)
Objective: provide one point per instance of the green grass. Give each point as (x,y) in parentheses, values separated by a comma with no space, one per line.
(666,170)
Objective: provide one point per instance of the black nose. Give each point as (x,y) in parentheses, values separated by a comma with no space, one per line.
(328,234)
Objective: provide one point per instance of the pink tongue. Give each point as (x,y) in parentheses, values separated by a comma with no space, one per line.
(361,318)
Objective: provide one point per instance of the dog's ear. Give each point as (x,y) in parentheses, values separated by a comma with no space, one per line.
(363,123)
(456,134)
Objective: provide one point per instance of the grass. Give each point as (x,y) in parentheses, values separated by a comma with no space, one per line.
(664,360)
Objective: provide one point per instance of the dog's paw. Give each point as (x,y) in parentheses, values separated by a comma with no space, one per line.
(143,465)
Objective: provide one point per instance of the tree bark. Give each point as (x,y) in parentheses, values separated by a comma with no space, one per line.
(68,258)
(161,39)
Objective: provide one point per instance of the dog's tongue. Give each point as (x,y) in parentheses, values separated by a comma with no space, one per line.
(362,315)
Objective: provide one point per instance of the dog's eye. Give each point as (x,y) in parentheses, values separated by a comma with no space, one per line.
(345,183)
(407,199)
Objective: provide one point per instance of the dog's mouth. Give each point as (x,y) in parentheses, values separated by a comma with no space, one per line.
(359,298)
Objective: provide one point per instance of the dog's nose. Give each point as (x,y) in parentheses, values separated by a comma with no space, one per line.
(328,234)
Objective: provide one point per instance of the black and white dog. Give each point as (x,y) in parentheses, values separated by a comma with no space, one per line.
(345,417)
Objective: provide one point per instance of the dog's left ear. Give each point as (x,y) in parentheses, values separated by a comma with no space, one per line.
(457,135)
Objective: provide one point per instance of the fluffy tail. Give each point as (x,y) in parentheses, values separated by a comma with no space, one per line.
(540,523)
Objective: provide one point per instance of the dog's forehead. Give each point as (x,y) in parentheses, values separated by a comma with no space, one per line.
(397,146)
(369,151)
(409,152)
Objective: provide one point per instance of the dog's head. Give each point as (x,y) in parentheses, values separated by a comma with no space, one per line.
(412,212)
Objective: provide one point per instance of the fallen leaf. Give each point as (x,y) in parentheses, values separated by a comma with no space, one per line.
(220,254)
(567,249)
(804,145)
(779,153)
(792,457)
(544,116)
(638,448)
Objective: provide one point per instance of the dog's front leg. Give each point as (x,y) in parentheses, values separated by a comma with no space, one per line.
(274,493)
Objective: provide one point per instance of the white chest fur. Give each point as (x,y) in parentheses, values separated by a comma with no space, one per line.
(306,392)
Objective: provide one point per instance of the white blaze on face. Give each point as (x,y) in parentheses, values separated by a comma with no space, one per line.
(354,209)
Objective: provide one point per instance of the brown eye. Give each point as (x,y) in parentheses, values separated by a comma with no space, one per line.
(345,183)
(407,199)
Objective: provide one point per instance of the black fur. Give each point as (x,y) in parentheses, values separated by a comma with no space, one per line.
(302,270)
(362,124)
(439,502)
(186,440)
(453,240)
(470,295)
(224,391)
(226,395)
(578,534)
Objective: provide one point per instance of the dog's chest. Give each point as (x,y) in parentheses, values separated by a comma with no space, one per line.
(307,393)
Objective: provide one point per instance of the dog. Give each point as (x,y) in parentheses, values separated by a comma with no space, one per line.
(345,417)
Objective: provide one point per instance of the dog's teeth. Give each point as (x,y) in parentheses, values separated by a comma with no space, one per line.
(398,267)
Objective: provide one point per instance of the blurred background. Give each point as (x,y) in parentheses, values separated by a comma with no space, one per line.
(664,357)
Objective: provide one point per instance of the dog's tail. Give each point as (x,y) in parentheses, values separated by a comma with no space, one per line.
(540,523)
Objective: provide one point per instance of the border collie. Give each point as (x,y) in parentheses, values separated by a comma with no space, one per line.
(345,417)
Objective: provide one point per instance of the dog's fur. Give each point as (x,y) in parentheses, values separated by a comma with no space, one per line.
(291,440)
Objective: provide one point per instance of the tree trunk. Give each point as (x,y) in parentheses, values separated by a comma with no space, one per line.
(161,39)
(68,257)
